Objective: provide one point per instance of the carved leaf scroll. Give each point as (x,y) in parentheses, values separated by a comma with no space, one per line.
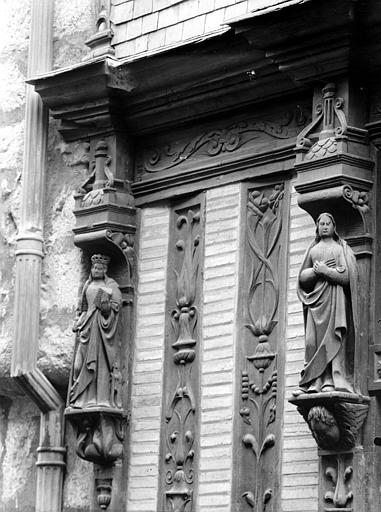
(259,377)
(221,140)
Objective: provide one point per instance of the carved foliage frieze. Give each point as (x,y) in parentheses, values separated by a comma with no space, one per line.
(264,225)
(218,141)
(180,443)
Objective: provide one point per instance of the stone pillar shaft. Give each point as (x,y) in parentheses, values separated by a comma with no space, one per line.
(29,251)
(50,462)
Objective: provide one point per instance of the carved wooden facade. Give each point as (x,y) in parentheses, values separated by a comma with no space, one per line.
(173,142)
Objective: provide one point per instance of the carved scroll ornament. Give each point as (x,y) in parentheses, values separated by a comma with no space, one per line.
(225,140)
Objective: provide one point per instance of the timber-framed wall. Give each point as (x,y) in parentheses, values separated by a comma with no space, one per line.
(207,141)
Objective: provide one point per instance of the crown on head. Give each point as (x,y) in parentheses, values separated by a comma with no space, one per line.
(100,258)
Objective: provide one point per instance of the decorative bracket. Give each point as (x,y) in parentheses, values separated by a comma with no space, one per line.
(334,418)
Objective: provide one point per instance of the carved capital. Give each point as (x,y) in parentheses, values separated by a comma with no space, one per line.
(334,418)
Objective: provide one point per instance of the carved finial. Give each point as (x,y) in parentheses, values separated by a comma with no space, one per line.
(100,42)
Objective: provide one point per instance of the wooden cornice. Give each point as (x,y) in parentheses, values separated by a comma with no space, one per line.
(261,57)
(277,54)
(315,40)
(167,89)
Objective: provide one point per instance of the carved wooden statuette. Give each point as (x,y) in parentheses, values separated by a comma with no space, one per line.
(94,397)
(328,292)
(326,397)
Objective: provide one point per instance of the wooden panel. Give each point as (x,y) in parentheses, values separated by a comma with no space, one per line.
(183,151)
(179,452)
(260,357)
(220,287)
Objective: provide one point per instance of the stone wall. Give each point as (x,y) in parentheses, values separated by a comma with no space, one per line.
(19,418)
(142,26)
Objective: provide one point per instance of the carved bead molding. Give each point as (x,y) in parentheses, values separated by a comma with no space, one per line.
(179,448)
(335,169)
(97,396)
(259,439)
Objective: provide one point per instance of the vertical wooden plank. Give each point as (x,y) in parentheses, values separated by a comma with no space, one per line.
(300,460)
(260,353)
(218,347)
(146,393)
(179,452)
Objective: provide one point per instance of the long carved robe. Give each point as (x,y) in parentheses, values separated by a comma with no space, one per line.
(97,348)
(329,315)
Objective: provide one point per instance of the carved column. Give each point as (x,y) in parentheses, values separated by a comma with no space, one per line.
(29,250)
(335,175)
(29,254)
(180,445)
